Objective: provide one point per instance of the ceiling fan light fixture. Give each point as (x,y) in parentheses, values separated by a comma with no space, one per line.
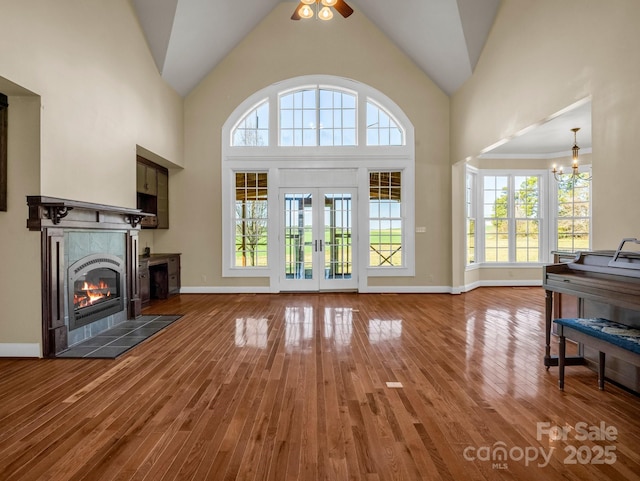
(308,2)
(325,13)
(329,3)
(305,11)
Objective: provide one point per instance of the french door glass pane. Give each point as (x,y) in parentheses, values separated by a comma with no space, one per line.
(337,236)
(298,243)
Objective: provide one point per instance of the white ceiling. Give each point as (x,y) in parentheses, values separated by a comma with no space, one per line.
(189,37)
(551,138)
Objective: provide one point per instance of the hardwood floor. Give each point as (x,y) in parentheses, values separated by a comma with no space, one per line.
(294,387)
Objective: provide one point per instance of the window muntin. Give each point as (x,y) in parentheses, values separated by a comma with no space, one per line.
(382,129)
(253,129)
(251,219)
(385,219)
(318,117)
(573,222)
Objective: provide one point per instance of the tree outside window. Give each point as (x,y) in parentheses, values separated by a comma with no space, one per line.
(251,219)
(574,214)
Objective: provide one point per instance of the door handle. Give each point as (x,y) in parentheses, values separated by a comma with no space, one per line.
(315,244)
(320,245)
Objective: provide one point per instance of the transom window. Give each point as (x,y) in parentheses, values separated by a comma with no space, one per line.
(313,117)
(382,129)
(318,116)
(253,129)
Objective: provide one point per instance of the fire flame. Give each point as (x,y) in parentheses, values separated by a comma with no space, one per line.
(91,294)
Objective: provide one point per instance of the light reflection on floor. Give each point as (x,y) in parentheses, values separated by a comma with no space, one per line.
(252,332)
(336,326)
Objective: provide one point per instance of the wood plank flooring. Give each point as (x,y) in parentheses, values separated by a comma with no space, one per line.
(294,387)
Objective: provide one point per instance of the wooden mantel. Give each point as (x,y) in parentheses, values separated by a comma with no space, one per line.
(52,216)
(47,212)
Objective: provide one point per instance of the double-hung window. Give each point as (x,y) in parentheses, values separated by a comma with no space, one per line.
(251,219)
(470,214)
(573,220)
(511,217)
(385,219)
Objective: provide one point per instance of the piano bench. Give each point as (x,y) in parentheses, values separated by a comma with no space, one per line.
(606,336)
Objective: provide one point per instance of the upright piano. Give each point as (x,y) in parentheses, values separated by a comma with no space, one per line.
(596,284)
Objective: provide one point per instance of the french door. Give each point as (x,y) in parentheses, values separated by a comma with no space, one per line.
(317,239)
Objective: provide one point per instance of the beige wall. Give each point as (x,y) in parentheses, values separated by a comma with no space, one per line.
(96,96)
(20,311)
(101,94)
(279,49)
(544,55)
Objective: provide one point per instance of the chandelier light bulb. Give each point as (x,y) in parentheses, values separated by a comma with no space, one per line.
(329,3)
(308,2)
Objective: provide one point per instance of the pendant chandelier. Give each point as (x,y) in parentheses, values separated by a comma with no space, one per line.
(562,177)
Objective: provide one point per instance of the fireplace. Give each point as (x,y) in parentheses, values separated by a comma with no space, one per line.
(89,256)
(96,289)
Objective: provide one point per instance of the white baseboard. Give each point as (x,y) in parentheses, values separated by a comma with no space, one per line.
(224,290)
(475,285)
(20,350)
(371,289)
(407,290)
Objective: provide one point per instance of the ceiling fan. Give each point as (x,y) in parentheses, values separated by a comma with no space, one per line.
(304,10)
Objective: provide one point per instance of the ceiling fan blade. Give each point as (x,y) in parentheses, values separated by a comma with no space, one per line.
(344,9)
(296,15)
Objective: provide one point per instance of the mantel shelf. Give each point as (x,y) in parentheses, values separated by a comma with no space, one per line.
(55,212)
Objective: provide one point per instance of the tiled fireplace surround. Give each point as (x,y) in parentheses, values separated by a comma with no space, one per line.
(70,231)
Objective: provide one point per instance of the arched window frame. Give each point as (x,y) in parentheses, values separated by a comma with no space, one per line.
(363,157)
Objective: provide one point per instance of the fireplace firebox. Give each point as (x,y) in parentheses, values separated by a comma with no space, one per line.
(96,288)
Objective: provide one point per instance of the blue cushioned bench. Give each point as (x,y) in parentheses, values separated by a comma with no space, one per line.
(606,336)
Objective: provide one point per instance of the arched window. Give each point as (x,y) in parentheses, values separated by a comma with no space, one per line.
(253,129)
(382,129)
(319,138)
(319,116)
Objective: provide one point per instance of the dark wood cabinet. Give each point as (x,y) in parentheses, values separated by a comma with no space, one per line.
(152,185)
(162,276)
(162,212)
(146,179)
(145,286)
(173,269)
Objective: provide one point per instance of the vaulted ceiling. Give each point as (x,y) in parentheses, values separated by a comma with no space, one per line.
(189,37)
(445,38)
